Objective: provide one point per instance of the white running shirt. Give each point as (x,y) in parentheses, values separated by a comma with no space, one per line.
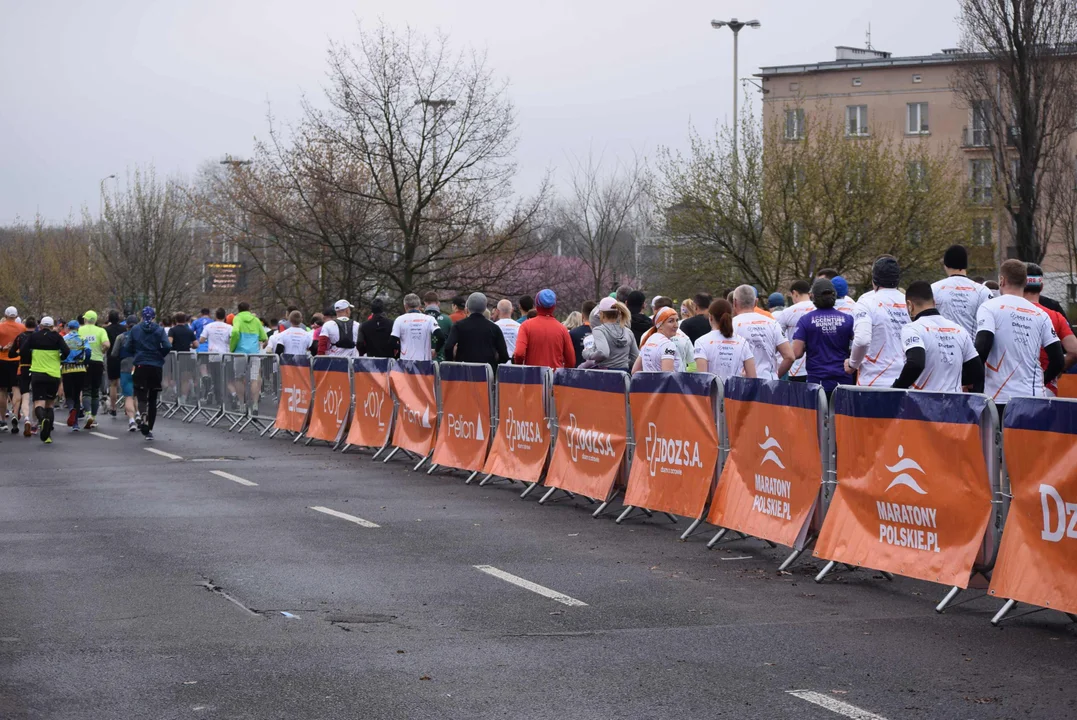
(846,305)
(958,299)
(219,336)
(657,348)
(764,335)
(510,329)
(332,335)
(725,356)
(877,322)
(1021,329)
(292,340)
(947,346)
(415,330)
(788,319)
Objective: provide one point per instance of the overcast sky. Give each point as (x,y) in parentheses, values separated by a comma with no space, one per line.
(88,89)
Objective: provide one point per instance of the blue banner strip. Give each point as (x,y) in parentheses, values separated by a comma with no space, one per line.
(462,373)
(295,360)
(520,374)
(1044,414)
(672,383)
(371,365)
(325,363)
(414,367)
(612,381)
(922,406)
(773,392)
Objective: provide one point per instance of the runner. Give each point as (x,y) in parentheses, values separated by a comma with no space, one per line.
(940,355)
(659,353)
(475,339)
(113,330)
(74,374)
(880,314)
(699,324)
(581,334)
(543,340)
(46,351)
(459,308)
(1033,290)
(721,352)
(433,309)
(148,345)
(825,337)
(527,307)
(789,317)
(957,298)
(29,423)
(97,340)
(1011,331)
(248,338)
(776,303)
(509,327)
(763,334)
(419,334)
(204,319)
(640,322)
(292,340)
(612,346)
(376,333)
(844,303)
(126,365)
(340,338)
(181,336)
(10,329)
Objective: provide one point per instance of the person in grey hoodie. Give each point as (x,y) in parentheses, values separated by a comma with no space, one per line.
(614,346)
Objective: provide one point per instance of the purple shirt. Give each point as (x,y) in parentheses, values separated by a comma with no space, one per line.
(827,336)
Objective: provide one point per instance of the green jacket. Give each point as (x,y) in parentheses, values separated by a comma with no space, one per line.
(247,334)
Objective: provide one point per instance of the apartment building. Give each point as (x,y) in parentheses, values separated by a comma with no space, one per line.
(911,98)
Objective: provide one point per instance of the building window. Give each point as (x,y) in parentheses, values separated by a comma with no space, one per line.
(981,112)
(857,82)
(916,78)
(794,86)
(856,177)
(981,231)
(794,124)
(856,120)
(917,116)
(917,175)
(980,180)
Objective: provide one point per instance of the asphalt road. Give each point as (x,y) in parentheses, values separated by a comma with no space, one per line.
(133,585)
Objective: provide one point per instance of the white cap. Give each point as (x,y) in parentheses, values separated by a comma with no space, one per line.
(654,300)
(46,321)
(342,305)
(11,312)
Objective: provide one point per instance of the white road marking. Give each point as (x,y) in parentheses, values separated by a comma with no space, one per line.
(346,516)
(233,478)
(835,706)
(211,460)
(528,585)
(103,435)
(743,557)
(162,453)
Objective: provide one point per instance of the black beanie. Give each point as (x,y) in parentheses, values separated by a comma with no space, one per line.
(956,258)
(886,273)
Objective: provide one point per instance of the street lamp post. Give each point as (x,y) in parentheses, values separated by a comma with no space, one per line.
(439,106)
(735,25)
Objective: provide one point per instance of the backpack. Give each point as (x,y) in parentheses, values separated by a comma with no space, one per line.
(346,341)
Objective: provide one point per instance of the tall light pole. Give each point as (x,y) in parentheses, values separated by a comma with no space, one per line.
(735,25)
(439,106)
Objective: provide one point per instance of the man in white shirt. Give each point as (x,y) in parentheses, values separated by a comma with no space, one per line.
(788,319)
(509,327)
(1010,333)
(880,314)
(940,355)
(843,303)
(292,340)
(763,334)
(341,334)
(418,333)
(217,335)
(957,297)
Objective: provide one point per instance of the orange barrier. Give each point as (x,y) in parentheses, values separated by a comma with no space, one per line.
(675,424)
(1067,385)
(332,399)
(1035,563)
(913,493)
(414,383)
(464,417)
(295,387)
(771,481)
(522,441)
(372,418)
(592,432)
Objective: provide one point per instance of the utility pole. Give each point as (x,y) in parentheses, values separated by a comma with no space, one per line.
(736,26)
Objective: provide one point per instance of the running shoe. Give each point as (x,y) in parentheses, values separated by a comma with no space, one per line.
(131,426)
(27,429)
(91,423)
(148,434)
(73,417)
(46,431)
(3,424)
(144,429)
(75,428)
(14,426)
(47,441)
(112,413)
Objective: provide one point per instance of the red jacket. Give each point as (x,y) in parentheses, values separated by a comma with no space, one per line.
(544,341)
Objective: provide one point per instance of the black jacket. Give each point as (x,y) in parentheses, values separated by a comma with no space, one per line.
(696,326)
(476,340)
(375,337)
(577,335)
(640,324)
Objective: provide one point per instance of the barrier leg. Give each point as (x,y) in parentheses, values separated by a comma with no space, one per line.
(379,452)
(1002,612)
(796,554)
(390,455)
(826,569)
(605,504)
(471,477)
(552,490)
(717,536)
(691,529)
(528,489)
(672,519)
(433,467)
(420,463)
(946,600)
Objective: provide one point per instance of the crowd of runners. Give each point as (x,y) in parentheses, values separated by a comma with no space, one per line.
(958,334)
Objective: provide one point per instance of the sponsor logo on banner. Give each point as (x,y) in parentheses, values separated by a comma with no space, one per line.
(672,454)
(772,494)
(373,404)
(460,427)
(414,417)
(921,532)
(333,401)
(587,444)
(298,399)
(521,433)
(1059,516)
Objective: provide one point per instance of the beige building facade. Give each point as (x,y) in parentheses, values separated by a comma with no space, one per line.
(912,99)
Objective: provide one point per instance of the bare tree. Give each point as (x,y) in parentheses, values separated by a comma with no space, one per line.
(144,242)
(47,269)
(601,218)
(1019,77)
